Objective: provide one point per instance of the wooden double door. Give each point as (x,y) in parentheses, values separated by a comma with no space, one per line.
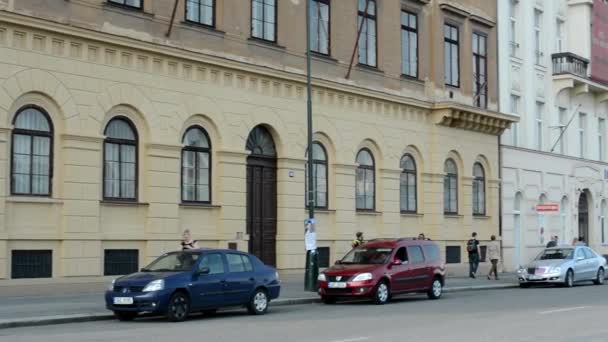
(262,207)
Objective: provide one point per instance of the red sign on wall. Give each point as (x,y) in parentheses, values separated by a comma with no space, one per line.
(599,41)
(547,207)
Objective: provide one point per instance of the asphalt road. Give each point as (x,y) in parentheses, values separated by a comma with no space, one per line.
(558,314)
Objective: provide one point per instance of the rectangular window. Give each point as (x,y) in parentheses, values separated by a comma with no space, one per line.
(513,28)
(31,264)
(452,254)
(320,26)
(120,261)
(559,35)
(128,3)
(480,70)
(409,44)
(582,124)
(601,126)
(201,12)
(367,39)
(514,110)
(264,19)
(538,16)
(539,125)
(451,55)
(563,121)
(415,254)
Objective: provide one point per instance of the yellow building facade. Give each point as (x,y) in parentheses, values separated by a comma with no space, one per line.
(93,191)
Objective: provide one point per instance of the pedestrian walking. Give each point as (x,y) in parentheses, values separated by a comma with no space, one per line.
(553,242)
(187,241)
(358,241)
(494,256)
(473,250)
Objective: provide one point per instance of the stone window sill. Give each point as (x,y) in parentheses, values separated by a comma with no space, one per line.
(33,199)
(187,205)
(368,212)
(124,203)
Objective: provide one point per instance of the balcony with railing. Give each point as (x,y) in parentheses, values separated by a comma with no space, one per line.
(569,63)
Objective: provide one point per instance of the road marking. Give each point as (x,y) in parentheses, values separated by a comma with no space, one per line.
(353,339)
(562,310)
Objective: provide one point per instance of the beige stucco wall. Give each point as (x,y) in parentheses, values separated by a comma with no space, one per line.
(84,78)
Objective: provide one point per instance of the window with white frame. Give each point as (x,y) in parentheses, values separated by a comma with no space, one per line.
(514,106)
(601,131)
(559,35)
(539,125)
(538,53)
(319,26)
(367,39)
(513,28)
(563,121)
(582,124)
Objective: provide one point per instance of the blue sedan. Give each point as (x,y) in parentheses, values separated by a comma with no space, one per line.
(203,280)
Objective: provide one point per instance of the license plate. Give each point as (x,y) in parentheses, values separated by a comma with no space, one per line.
(333,285)
(123,300)
(532,277)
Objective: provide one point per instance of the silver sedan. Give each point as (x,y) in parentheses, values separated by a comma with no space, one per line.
(564,265)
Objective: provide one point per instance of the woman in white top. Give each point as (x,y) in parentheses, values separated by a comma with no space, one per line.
(494,256)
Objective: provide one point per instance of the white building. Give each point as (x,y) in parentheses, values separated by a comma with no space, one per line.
(545,50)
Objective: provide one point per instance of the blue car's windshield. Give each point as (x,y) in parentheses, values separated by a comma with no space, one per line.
(366,256)
(173,262)
(556,254)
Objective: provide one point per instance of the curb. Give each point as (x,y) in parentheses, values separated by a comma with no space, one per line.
(80,318)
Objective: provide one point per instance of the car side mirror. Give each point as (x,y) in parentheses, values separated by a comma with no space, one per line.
(397,262)
(338,262)
(580,258)
(204,270)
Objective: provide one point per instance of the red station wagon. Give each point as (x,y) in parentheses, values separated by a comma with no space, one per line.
(381,268)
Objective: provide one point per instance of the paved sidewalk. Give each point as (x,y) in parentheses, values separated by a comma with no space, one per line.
(61,302)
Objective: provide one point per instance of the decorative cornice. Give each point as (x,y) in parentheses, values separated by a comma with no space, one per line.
(471,118)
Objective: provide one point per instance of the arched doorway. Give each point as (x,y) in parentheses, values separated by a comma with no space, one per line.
(583,217)
(517,238)
(262,195)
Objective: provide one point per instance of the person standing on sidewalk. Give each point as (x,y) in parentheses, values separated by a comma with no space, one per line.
(473,250)
(494,256)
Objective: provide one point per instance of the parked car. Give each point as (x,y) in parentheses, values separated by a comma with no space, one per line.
(381,268)
(179,283)
(564,265)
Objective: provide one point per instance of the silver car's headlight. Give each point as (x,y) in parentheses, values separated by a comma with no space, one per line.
(556,269)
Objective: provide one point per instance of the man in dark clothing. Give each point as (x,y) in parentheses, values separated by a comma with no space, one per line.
(553,242)
(473,250)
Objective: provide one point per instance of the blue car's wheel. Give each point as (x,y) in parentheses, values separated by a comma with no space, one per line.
(179,307)
(258,305)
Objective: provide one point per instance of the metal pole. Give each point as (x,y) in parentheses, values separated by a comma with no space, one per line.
(563,130)
(312,268)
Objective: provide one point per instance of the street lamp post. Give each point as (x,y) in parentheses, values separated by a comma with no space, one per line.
(312,267)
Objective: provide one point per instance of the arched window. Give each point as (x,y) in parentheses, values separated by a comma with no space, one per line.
(408,185)
(479,190)
(120,160)
(366,187)
(450,188)
(32,145)
(319,170)
(196,166)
